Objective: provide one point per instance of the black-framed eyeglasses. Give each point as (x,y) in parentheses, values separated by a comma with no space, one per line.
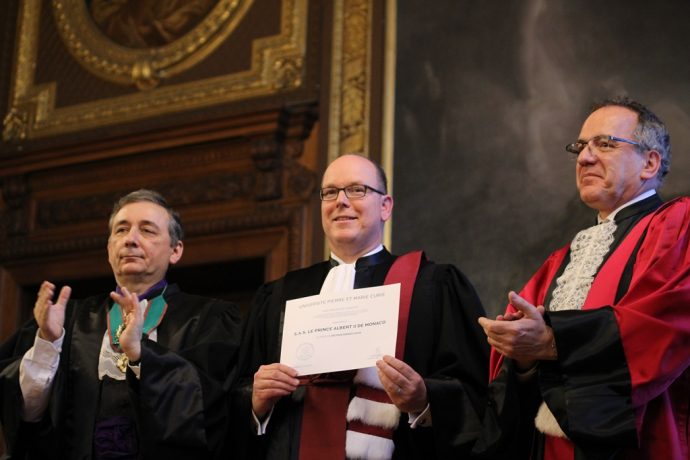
(351,191)
(602,143)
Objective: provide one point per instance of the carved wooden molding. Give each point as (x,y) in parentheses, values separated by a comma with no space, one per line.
(15,193)
(209,189)
(258,170)
(268,216)
(233,129)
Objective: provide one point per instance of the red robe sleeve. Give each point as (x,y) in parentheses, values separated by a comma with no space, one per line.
(654,315)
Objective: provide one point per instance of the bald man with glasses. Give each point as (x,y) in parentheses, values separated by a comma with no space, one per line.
(424,404)
(591,358)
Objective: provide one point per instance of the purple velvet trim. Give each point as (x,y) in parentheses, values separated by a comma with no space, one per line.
(115,438)
(156,288)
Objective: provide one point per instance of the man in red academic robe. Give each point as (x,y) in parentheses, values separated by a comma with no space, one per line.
(591,360)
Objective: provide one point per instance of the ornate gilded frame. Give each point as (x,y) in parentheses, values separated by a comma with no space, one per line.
(277,65)
(143,67)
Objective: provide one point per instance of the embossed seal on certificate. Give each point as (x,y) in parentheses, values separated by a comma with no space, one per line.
(305,351)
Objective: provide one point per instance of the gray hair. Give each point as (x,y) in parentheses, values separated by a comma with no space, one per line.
(650,131)
(174,225)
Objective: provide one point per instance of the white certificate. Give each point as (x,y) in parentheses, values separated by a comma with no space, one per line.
(337,332)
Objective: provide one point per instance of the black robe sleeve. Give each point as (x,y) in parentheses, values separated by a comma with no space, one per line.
(446,345)
(508,425)
(594,399)
(22,439)
(181,396)
(260,345)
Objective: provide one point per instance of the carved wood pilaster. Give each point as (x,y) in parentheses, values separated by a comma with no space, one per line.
(276,157)
(267,157)
(15,193)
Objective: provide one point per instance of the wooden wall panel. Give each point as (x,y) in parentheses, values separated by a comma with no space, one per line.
(241,187)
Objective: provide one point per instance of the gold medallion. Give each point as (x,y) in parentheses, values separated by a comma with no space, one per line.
(120,329)
(122,362)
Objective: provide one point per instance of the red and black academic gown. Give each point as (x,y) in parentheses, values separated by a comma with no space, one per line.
(621,385)
(444,345)
(179,403)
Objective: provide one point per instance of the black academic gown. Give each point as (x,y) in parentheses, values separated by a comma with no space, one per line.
(445,345)
(179,402)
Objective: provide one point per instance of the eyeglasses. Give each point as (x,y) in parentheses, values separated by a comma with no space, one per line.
(602,143)
(351,191)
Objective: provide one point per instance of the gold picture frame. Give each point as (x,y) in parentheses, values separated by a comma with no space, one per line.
(144,66)
(277,65)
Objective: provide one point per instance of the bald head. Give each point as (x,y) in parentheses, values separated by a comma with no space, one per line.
(354,226)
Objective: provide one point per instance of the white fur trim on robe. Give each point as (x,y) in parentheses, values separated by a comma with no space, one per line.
(373,413)
(547,423)
(364,446)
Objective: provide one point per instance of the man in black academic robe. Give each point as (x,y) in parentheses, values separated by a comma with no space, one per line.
(164,397)
(445,354)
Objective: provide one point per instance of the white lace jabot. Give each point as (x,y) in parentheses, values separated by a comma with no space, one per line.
(587,252)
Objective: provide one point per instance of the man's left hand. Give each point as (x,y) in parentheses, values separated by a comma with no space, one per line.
(522,336)
(403,384)
(133,320)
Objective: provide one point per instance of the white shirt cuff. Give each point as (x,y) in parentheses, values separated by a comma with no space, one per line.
(136,368)
(421,419)
(44,351)
(260,427)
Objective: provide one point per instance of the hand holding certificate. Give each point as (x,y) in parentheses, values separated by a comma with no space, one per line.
(337,332)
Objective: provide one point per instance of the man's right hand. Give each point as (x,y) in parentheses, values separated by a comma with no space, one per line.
(272,382)
(51,316)
(521,335)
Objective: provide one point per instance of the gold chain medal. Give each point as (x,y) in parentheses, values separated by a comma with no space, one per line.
(122,360)
(153,315)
